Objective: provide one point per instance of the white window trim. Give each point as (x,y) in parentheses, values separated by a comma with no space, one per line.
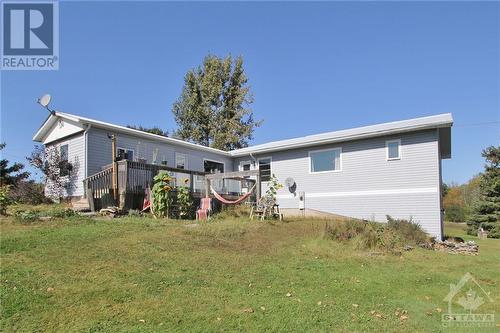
(60,148)
(211,160)
(242,163)
(126,149)
(328,171)
(186,164)
(387,150)
(270,165)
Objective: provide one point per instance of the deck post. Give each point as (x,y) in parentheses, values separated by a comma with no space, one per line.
(122,183)
(90,196)
(207,187)
(114,178)
(257,186)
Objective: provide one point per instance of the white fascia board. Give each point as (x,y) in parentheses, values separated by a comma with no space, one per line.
(438,121)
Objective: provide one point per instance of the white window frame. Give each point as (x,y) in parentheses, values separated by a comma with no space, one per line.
(212,160)
(321,150)
(270,166)
(387,150)
(185,160)
(242,163)
(125,149)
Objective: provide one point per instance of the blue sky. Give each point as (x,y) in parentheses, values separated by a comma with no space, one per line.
(313,67)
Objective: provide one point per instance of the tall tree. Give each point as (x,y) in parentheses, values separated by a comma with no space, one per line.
(153,130)
(486,211)
(13,174)
(214,107)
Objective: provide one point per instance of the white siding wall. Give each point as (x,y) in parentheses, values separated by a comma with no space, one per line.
(369,186)
(99,150)
(76,156)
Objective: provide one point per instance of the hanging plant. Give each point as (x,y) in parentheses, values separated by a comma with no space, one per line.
(162,199)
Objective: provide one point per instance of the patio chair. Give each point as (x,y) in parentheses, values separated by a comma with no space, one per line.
(204,211)
(266,206)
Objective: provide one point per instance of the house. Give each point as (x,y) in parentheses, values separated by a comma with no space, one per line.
(367,172)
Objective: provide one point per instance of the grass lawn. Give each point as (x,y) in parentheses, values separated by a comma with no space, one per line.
(145,275)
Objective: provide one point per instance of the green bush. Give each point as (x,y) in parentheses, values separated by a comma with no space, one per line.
(59,212)
(455,214)
(391,236)
(27,216)
(407,229)
(5,201)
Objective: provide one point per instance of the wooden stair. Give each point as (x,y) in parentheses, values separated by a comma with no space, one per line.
(81,205)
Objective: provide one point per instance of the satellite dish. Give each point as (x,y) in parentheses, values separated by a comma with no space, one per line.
(45,100)
(290,183)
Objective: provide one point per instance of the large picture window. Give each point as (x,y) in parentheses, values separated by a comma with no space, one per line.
(265,169)
(327,160)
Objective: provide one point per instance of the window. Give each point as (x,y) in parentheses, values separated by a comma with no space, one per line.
(64,166)
(265,169)
(213,166)
(245,166)
(164,162)
(327,160)
(180,161)
(125,154)
(393,148)
(64,152)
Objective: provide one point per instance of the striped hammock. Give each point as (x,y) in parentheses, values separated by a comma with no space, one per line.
(235,202)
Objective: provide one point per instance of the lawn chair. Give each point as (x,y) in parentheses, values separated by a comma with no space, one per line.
(266,206)
(204,210)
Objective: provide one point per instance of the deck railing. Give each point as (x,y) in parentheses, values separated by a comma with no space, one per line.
(135,177)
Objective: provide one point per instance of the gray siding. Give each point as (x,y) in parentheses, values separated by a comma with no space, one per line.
(368,186)
(99,151)
(76,156)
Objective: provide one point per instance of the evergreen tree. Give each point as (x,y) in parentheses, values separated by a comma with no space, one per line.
(486,212)
(213,109)
(11,175)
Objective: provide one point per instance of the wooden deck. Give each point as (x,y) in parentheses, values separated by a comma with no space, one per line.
(133,178)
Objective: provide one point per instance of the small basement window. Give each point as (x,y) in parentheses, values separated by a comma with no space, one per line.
(327,160)
(393,148)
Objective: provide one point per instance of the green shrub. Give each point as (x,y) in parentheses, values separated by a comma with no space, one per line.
(408,230)
(388,237)
(29,192)
(455,214)
(5,201)
(27,216)
(59,212)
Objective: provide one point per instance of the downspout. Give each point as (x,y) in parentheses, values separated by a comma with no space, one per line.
(86,150)
(259,189)
(254,159)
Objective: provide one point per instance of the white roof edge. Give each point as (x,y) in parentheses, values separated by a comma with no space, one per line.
(395,127)
(101,124)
